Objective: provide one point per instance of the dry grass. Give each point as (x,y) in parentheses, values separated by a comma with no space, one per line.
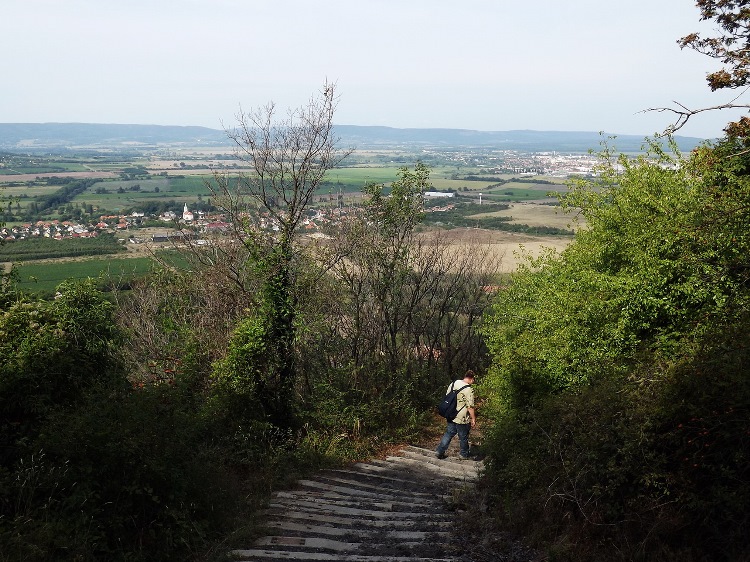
(509,246)
(535,214)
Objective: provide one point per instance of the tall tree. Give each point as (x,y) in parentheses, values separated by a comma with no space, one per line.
(287,160)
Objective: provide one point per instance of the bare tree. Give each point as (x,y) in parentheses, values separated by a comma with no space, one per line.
(283,163)
(288,159)
(683,114)
(410,301)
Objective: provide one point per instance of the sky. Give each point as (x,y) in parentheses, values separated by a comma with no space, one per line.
(491,65)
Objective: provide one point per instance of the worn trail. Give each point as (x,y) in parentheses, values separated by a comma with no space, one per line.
(397,509)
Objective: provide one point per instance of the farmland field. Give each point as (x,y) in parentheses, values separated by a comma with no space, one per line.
(130,182)
(125,184)
(15,178)
(509,194)
(510,247)
(44,276)
(535,215)
(117,195)
(29,191)
(530,186)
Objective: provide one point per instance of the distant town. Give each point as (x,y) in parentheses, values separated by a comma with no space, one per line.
(554,164)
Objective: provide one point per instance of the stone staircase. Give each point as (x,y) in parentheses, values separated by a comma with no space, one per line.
(392,510)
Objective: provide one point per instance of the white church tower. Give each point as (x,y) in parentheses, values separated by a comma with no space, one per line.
(186,214)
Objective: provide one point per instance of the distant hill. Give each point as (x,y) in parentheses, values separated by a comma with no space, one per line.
(532,141)
(19,136)
(76,136)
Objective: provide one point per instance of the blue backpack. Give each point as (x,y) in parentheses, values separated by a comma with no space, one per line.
(448,406)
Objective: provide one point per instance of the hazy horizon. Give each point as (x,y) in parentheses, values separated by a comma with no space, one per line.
(477,65)
(218,129)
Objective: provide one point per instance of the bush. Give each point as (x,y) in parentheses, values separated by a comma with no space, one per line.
(51,354)
(620,381)
(653,466)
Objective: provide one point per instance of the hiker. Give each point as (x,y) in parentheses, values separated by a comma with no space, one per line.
(464,421)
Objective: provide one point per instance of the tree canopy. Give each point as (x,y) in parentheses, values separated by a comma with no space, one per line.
(730,47)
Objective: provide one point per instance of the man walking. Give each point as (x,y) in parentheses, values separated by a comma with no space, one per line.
(464,421)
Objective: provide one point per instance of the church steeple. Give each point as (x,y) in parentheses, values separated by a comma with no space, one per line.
(186,214)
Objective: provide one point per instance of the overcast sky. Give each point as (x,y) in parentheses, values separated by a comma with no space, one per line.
(572,65)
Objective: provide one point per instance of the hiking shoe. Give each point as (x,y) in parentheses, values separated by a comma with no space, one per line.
(439,455)
(463,458)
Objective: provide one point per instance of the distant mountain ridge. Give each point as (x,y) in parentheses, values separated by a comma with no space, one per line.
(62,135)
(71,136)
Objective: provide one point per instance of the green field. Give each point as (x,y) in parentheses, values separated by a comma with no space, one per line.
(533,186)
(45,277)
(509,194)
(46,168)
(28,192)
(354,178)
(120,195)
(359,176)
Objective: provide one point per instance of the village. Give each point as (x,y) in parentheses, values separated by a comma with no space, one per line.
(127,226)
(197,222)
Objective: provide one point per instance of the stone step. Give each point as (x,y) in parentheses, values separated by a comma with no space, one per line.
(372,474)
(301,548)
(320,499)
(357,491)
(308,542)
(372,482)
(425,470)
(374,512)
(320,543)
(428,456)
(388,466)
(301,529)
(387,470)
(427,525)
(392,510)
(260,555)
(459,470)
(352,500)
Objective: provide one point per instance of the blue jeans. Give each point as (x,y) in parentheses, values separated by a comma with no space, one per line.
(463,438)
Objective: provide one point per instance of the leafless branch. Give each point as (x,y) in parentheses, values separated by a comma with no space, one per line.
(684,113)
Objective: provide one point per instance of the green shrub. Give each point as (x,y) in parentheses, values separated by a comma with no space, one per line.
(655,465)
(619,382)
(51,354)
(124,476)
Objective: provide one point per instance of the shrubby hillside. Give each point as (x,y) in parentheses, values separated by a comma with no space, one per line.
(619,387)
